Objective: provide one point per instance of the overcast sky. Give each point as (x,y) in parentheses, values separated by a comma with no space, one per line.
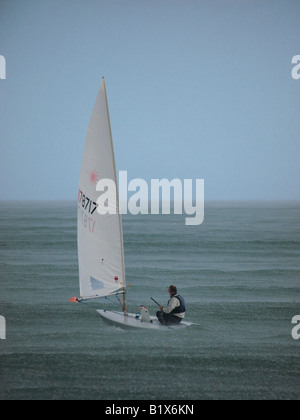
(196,89)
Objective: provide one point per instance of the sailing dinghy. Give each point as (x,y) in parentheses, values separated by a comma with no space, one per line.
(100,236)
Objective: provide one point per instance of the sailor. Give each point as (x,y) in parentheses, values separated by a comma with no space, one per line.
(175,310)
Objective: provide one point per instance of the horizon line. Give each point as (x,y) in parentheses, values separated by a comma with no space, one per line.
(213,200)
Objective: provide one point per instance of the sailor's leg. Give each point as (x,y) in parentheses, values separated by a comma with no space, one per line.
(160,317)
(170,319)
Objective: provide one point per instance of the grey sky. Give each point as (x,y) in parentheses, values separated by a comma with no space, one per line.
(196,89)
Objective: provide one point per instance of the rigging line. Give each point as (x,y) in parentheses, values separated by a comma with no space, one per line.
(84,303)
(114,302)
(122,306)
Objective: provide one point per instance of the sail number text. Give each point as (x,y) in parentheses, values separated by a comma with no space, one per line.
(86,204)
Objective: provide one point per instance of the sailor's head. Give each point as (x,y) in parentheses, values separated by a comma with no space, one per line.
(172,290)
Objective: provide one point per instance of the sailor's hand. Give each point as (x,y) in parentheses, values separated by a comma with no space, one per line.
(161,308)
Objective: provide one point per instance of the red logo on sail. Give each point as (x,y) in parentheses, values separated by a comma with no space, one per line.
(116,279)
(93,175)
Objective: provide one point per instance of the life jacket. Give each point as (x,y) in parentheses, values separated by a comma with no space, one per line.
(181,308)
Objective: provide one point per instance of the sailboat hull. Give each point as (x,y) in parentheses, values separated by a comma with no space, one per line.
(132,321)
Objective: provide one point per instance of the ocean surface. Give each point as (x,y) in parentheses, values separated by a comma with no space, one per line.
(239,273)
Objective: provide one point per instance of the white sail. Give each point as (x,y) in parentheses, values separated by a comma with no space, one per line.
(99,237)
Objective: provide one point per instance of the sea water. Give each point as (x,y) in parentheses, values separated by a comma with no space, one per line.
(238,272)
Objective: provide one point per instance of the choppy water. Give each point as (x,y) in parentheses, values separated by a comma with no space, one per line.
(239,274)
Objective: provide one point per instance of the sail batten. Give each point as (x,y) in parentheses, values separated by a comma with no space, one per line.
(99,237)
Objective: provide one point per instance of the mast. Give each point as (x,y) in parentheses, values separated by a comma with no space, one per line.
(117,200)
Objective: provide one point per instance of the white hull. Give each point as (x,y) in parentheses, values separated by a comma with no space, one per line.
(131,321)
